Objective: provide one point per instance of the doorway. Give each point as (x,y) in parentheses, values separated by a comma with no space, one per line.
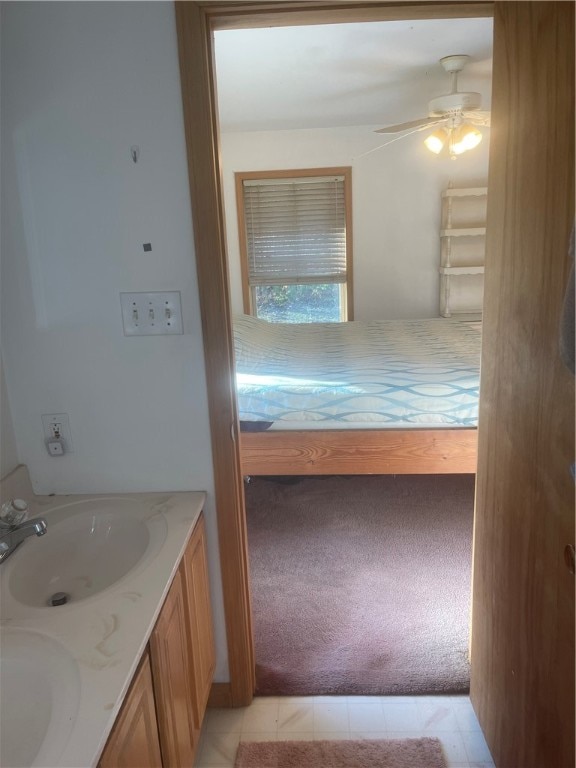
(195,25)
(367,73)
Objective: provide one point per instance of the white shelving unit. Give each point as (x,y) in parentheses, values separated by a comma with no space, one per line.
(462,250)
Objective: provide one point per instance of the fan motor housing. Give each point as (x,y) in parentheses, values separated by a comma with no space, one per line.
(465,101)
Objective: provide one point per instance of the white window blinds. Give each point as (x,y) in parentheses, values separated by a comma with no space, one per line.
(296,230)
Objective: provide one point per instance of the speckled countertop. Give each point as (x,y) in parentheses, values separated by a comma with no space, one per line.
(105,633)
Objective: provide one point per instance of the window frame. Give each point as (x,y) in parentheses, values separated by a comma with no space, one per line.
(241,176)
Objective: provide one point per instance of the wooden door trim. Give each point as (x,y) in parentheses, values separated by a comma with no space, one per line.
(200,123)
(195,23)
(231,15)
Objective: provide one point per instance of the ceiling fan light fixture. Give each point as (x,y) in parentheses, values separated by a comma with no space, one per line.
(435,142)
(454,115)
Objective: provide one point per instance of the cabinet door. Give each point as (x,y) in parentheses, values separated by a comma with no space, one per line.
(171,666)
(133,742)
(197,589)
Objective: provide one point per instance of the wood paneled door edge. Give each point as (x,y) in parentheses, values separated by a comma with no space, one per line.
(195,23)
(522,682)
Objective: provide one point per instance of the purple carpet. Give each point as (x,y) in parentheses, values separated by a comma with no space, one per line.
(361,585)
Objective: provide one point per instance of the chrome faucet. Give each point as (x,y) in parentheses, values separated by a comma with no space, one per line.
(12,535)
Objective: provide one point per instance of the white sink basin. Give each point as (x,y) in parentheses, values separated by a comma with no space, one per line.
(89,547)
(39,698)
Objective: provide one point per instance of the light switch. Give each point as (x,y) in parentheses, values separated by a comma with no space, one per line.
(151,314)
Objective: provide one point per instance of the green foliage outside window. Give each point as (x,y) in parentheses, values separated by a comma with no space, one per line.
(297,303)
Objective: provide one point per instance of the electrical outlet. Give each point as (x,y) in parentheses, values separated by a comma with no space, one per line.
(57,427)
(151,314)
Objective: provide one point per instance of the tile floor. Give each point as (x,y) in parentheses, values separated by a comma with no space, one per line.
(450,718)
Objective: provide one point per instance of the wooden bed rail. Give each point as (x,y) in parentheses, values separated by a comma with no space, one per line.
(359,452)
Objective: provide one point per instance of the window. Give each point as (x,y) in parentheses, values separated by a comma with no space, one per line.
(296,244)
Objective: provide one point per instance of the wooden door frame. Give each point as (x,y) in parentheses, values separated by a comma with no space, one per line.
(196,22)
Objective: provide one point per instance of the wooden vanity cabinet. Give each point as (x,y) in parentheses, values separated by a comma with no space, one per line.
(182,659)
(134,741)
(194,569)
(171,656)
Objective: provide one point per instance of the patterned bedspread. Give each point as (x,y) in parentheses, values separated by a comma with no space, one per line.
(398,373)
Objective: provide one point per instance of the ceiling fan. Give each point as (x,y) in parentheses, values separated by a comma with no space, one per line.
(454,115)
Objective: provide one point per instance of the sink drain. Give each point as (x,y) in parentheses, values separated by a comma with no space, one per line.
(59,598)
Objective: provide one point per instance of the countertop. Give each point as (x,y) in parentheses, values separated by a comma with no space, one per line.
(105,633)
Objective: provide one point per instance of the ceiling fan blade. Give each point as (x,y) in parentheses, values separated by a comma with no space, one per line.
(422,122)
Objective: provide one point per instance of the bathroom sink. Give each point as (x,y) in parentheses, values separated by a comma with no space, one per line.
(39,698)
(89,547)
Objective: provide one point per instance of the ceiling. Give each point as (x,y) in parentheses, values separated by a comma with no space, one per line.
(333,75)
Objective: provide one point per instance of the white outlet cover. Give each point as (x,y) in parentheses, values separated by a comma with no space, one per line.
(49,420)
(151,314)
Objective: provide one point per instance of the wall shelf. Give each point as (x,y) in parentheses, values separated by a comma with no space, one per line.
(462,236)
(463,232)
(462,270)
(464,192)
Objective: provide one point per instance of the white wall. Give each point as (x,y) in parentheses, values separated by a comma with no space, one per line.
(81,84)
(8,448)
(396,207)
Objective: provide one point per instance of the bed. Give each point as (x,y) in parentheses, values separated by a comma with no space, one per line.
(391,397)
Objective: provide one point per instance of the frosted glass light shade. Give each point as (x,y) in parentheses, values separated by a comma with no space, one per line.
(436,141)
(464,138)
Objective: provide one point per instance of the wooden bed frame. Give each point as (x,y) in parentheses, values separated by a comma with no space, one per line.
(359,452)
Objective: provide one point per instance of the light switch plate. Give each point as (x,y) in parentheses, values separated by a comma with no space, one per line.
(151,314)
